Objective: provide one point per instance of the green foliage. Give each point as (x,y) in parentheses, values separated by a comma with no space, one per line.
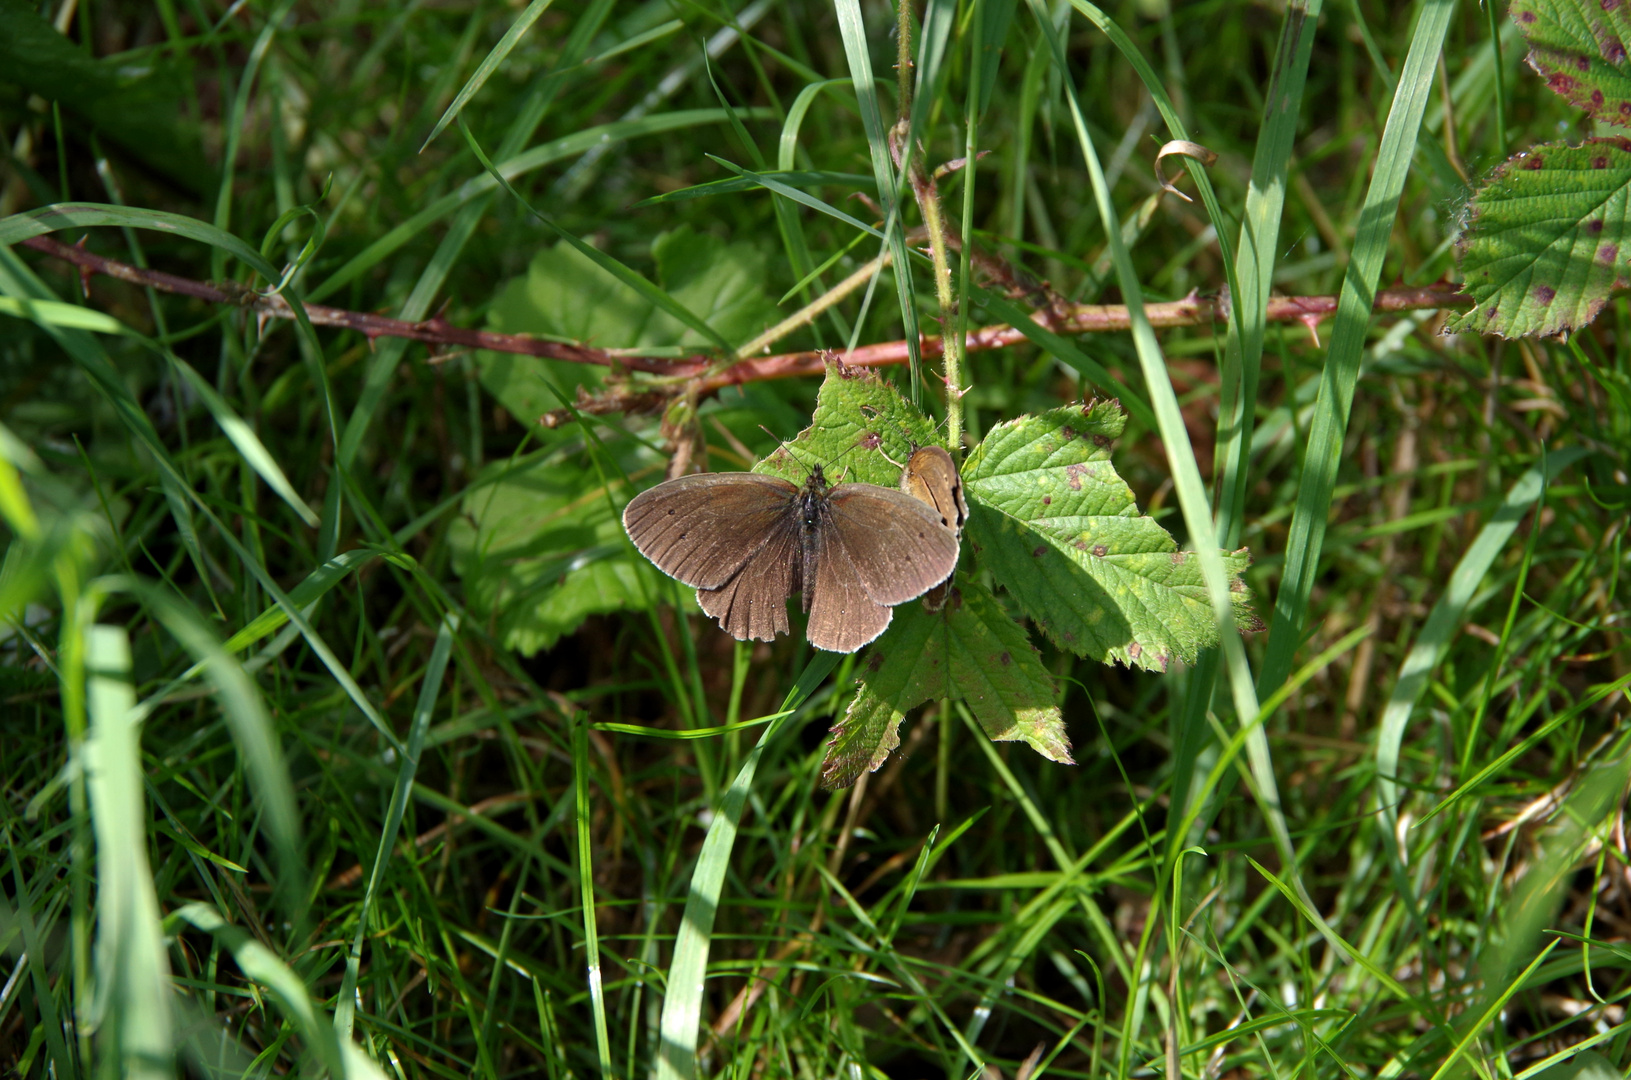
(282,791)
(1550,239)
(1547,237)
(1060,530)
(540,547)
(566,297)
(971,651)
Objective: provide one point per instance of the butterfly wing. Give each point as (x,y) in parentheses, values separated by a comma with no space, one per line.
(705,528)
(931,477)
(899,547)
(842,616)
(752,605)
(876,548)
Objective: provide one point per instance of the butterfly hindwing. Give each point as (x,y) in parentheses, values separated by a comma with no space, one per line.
(753,604)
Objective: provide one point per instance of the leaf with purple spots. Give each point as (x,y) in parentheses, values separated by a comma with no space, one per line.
(1579,48)
(1549,238)
(1061,532)
(968,651)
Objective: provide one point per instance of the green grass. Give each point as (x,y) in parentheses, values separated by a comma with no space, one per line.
(283,731)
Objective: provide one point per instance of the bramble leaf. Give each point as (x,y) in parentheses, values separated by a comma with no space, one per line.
(565,296)
(540,550)
(1549,239)
(969,650)
(1062,533)
(1579,48)
(862,430)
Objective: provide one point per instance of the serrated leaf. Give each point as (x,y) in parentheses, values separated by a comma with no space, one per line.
(1061,531)
(862,430)
(1548,240)
(1579,48)
(540,550)
(969,650)
(564,295)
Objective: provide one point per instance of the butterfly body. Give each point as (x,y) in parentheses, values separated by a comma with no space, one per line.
(747,541)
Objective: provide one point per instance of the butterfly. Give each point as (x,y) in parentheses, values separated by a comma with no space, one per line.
(747,541)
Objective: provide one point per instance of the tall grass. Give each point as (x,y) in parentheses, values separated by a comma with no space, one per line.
(282,794)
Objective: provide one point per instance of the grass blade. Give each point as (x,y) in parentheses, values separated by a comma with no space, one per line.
(133,976)
(1341,371)
(488,65)
(345,1006)
(852,28)
(676,1058)
(1444,621)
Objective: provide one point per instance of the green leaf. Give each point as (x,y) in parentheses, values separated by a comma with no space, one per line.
(1548,239)
(541,549)
(138,107)
(1578,47)
(862,430)
(969,650)
(1062,533)
(565,295)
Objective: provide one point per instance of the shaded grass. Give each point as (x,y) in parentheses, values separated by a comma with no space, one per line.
(476,837)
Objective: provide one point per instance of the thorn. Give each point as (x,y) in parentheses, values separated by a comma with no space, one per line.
(1313,324)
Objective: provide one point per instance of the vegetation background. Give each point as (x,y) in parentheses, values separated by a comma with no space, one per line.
(285,766)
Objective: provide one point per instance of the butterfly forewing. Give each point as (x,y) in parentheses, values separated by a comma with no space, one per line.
(898,547)
(705,529)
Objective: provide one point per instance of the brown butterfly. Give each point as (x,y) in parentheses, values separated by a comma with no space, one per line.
(747,542)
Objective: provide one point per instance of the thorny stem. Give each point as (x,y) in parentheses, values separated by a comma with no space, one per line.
(695,373)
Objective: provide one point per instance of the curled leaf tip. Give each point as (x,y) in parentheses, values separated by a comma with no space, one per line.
(1181,148)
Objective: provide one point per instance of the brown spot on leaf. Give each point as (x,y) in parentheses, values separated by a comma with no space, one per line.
(1608,253)
(1047,500)
(1081,545)
(1597,102)
(1135,650)
(1582,64)
(1178,557)
(1006,659)
(1074,474)
(1100,550)
(1545,294)
(1608,5)
(1599,162)
(1101,442)
(874,662)
(1614,52)
(1525,16)
(1036,553)
(1533,162)
(1163,659)
(869,440)
(1594,226)
(1068,432)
